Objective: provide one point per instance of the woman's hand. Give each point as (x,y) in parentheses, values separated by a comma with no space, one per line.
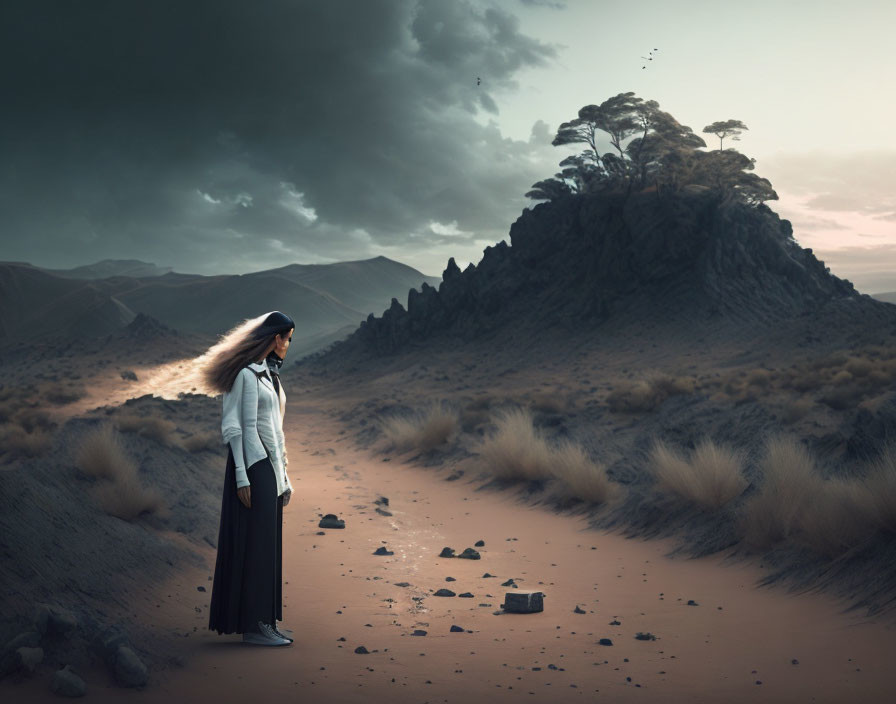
(286,495)
(245,496)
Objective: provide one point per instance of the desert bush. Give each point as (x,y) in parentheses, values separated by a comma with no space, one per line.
(159,429)
(470,419)
(102,454)
(788,482)
(199,442)
(842,398)
(546,402)
(880,484)
(61,395)
(516,450)
(836,515)
(14,441)
(646,394)
(792,410)
(423,430)
(579,476)
(31,418)
(711,478)
(127,498)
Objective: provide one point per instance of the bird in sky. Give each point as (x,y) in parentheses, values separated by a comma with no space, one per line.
(649,58)
(478,80)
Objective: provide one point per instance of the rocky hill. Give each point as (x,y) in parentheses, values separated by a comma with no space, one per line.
(582,261)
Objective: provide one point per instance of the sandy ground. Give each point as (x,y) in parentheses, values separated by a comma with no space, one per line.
(738,644)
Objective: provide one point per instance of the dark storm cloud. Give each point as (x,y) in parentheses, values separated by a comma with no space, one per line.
(193,132)
(545,3)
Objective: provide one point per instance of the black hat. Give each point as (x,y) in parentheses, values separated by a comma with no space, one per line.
(274,323)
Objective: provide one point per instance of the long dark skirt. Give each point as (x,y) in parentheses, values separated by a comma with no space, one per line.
(247,586)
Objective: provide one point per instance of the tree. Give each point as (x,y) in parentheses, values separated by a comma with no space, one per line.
(725,128)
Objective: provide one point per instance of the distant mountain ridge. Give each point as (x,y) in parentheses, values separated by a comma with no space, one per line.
(326,300)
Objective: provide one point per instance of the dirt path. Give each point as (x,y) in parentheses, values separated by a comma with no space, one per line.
(735,638)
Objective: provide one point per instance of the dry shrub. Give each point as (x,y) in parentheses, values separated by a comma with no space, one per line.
(880,483)
(31,418)
(837,514)
(424,430)
(858,366)
(471,419)
(517,450)
(842,398)
(127,498)
(761,378)
(579,476)
(545,402)
(788,480)
(102,455)
(159,429)
(198,442)
(14,441)
(62,394)
(710,479)
(647,394)
(792,410)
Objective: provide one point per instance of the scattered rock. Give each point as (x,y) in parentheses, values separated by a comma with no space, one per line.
(524,602)
(130,376)
(456,629)
(469,554)
(129,669)
(444,592)
(402,584)
(382,551)
(487,575)
(67,683)
(447,552)
(577,610)
(53,619)
(29,658)
(419,632)
(331,521)
(465,595)
(450,579)
(479,543)
(384,501)
(361,650)
(645,636)
(508,583)
(383,512)
(200,588)
(605,641)
(691,602)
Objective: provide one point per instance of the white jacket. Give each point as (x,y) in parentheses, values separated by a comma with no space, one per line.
(252,420)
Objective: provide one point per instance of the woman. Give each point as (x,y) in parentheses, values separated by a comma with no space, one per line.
(247,588)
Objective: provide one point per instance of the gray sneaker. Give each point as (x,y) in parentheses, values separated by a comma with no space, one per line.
(265,636)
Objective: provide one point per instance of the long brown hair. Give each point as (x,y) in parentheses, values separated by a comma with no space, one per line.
(236,348)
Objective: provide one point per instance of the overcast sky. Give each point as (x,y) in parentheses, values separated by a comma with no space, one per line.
(217,136)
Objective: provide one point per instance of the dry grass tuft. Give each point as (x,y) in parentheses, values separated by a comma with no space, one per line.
(646,394)
(711,478)
(159,429)
(836,516)
(880,483)
(581,477)
(14,441)
(788,481)
(199,442)
(793,410)
(102,455)
(424,430)
(517,450)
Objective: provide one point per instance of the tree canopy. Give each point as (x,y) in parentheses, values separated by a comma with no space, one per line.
(661,154)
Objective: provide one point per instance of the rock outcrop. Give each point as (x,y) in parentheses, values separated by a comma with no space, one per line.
(580,260)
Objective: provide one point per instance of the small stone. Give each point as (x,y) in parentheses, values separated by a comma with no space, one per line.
(456,629)
(447,552)
(66,683)
(382,511)
(450,579)
(794,662)
(402,584)
(469,554)
(331,521)
(200,588)
(645,636)
(466,595)
(508,583)
(444,592)
(361,650)
(524,602)
(129,670)
(691,602)
(382,551)
(419,632)
(605,641)
(382,500)
(29,658)
(479,543)
(577,610)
